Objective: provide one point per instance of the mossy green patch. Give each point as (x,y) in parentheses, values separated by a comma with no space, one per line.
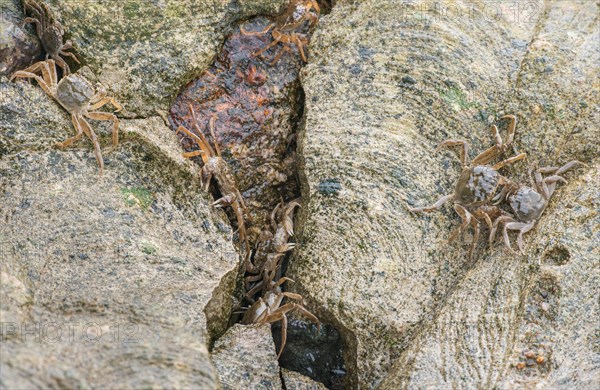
(137,196)
(149,249)
(457,99)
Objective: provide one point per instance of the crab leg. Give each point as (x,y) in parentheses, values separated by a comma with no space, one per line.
(280,53)
(489,154)
(464,153)
(257,33)
(69,54)
(26,75)
(475,225)
(300,45)
(509,161)
(522,227)
(106,116)
(50,68)
(60,62)
(69,141)
(270,45)
(512,125)
(38,27)
(204,144)
(466,218)
(192,154)
(433,207)
(103,101)
(87,129)
(48,83)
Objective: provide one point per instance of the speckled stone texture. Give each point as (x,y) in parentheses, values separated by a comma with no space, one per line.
(245,358)
(387,81)
(105,281)
(146,51)
(296,381)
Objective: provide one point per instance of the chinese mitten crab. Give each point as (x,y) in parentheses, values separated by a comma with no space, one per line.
(271,249)
(269,309)
(527,203)
(287,27)
(216,167)
(477,184)
(50,33)
(79,97)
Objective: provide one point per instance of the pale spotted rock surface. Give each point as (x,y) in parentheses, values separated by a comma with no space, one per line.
(138,253)
(387,81)
(245,358)
(113,281)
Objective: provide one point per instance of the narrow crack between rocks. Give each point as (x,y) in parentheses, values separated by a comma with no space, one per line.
(252,107)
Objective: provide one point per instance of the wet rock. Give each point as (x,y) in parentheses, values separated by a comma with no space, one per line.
(245,358)
(295,381)
(144,52)
(317,355)
(255,105)
(19,46)
(105,274)
(408,304)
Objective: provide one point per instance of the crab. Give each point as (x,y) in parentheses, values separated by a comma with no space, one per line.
(50,33)
(80,98)
(286,28)
(268,310)
(478,184)
(271,249)
(216,167)
(527,203)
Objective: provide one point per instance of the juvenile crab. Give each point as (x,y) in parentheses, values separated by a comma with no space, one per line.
(287,26)
(477,184)
(527,203)
(216,167)
(269,309)
(271,249)
(79,97)
(50,33)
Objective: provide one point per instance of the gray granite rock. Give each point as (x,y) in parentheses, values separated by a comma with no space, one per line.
(245,358)
(106,280)
(296,381)
(386,83)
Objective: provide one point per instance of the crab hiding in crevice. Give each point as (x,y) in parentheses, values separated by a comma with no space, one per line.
(289,28)
(50,32)
(216,167)
(269,309)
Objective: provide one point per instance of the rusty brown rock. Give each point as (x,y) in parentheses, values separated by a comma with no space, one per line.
(256,105)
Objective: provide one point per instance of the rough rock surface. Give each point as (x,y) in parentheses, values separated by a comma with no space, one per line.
(146,51)
(19,46)
(296,381)
(388,81)
(245,358)
(105,281)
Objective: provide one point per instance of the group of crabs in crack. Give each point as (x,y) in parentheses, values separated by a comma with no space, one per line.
(481,191)
(82,99)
